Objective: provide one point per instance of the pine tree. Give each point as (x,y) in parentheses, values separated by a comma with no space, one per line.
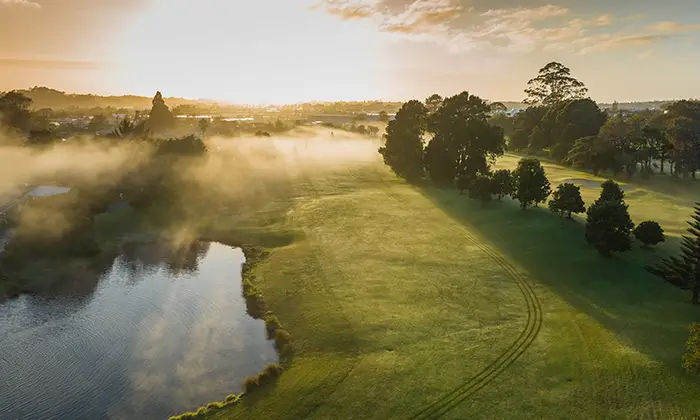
(684,271)
(160,118)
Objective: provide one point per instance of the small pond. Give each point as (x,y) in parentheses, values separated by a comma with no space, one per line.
(160,333)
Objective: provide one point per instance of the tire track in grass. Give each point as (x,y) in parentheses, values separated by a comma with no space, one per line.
(533,325)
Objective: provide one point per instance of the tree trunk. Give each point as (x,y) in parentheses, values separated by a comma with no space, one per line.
(696,297)
(662,165)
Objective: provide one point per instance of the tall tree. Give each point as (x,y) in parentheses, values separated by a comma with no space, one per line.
(204,124)
(160,118)
(608,223)
(14,111)
(554,84)
(531,183)
(403,150)
(464,142)
(684,271)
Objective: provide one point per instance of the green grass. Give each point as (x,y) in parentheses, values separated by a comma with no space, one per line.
(397,296)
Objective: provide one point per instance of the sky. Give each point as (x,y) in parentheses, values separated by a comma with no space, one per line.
(287,51)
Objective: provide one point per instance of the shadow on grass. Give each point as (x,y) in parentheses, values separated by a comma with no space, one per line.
(641,310)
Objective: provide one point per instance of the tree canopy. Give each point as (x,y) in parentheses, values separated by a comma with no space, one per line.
(608,223)
(531,183)
(403,150)
(160,118)
(566,200)
(554,84)
(14,111)
(463,142)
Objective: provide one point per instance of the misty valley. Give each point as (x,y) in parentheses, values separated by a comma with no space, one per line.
(450,257)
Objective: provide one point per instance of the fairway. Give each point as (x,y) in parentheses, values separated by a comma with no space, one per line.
(416,303)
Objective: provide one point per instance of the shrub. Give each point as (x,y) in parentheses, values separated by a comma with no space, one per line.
(691,358)
(202,411)
(232,399)
(272,324)
(282,340)
(649,233)
(250,384)
(214,406)
(566,200)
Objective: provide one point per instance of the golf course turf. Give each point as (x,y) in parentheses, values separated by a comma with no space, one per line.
(413,302)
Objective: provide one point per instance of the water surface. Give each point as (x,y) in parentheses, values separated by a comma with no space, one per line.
(162,332)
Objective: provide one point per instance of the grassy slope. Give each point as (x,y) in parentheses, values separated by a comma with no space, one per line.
(392,304)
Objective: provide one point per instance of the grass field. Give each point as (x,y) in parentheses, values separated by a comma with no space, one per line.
(417,303)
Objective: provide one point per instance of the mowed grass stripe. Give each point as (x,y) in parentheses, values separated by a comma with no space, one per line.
(527,336)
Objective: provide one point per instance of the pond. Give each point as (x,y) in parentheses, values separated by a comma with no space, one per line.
(162,332)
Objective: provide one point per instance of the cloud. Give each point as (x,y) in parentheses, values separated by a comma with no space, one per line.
(514,30)
(25,3)
(348,9)
(673,27)
(423,16)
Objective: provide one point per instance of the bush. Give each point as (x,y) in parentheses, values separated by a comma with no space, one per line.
(283,341)
(232,399)
(214,406)
(250,384)
(566,200)
(202,411)
(272,324)
(649,233)
(270,374)
(691,358)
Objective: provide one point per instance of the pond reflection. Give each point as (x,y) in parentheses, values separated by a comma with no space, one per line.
(164,332)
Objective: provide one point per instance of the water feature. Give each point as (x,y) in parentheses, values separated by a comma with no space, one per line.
(163,332)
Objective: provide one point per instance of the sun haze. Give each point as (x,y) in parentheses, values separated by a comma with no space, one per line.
(283,51)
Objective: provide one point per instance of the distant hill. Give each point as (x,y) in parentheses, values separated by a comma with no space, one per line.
(44,97)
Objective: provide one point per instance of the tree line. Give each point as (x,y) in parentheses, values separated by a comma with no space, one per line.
(455,140)
(570,127)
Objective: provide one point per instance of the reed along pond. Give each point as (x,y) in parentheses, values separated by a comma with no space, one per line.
(159,333)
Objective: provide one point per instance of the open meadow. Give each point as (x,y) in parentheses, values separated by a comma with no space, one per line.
(409,302)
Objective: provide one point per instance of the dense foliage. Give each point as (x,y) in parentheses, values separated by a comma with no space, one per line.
(502,183)
(531,183)
(649,233)
(403,150)
(463,143)
(608,223)
(684,271)
(566,200)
